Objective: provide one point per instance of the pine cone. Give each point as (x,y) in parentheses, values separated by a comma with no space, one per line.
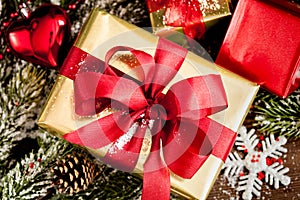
(74,173)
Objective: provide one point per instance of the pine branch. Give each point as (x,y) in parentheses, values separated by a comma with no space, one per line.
(133,11)
(112,184)
(30,177)
(278,116)
(21,95)
(8,6)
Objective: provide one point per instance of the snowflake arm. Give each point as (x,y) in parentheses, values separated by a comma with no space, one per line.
(233,165)
(276,174)
(249,184)
(273,148)
(246,141)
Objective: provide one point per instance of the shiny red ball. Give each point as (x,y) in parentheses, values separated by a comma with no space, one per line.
(39,38)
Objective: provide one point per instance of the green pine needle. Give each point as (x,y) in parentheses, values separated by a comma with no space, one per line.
(278,116)
(21,95)
(111,184)
(31,177)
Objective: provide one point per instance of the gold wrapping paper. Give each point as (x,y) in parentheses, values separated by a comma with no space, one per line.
(58,115)
(212,10)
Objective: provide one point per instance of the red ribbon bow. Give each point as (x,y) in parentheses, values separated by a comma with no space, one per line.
(177,120)
(181,13)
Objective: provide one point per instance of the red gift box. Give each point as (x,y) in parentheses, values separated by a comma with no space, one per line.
(263,45)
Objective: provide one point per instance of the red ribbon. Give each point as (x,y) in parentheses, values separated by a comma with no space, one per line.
(182,135)
(181,13)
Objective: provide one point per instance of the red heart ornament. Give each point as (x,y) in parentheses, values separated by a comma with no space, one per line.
(39,39)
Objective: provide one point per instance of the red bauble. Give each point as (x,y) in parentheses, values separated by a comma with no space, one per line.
(39,38)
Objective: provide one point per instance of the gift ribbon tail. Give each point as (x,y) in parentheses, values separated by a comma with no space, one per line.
(156,185)
(221,138)
(156,180)
(182,153)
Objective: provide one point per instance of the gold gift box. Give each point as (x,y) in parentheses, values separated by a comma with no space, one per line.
(212,10)
(102,32)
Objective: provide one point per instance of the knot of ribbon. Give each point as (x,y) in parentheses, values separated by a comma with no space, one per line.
(182,135)
(181,13)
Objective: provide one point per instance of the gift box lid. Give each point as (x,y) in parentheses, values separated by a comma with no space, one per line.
(262,44)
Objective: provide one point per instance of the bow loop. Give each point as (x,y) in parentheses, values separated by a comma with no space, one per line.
(168,58)
(94,92)
(188,96)
(184,145)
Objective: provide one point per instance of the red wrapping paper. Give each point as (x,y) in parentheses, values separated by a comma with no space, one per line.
(263,45)
(288,5)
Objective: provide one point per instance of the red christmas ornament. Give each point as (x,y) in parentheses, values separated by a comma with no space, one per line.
(39,38)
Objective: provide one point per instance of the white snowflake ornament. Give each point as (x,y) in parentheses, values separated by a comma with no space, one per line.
(262,162)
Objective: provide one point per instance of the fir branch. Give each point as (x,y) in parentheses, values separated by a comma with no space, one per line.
(8,6)
(21,95)
(30,178)
(133,11)
(278,116)
(111,184)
